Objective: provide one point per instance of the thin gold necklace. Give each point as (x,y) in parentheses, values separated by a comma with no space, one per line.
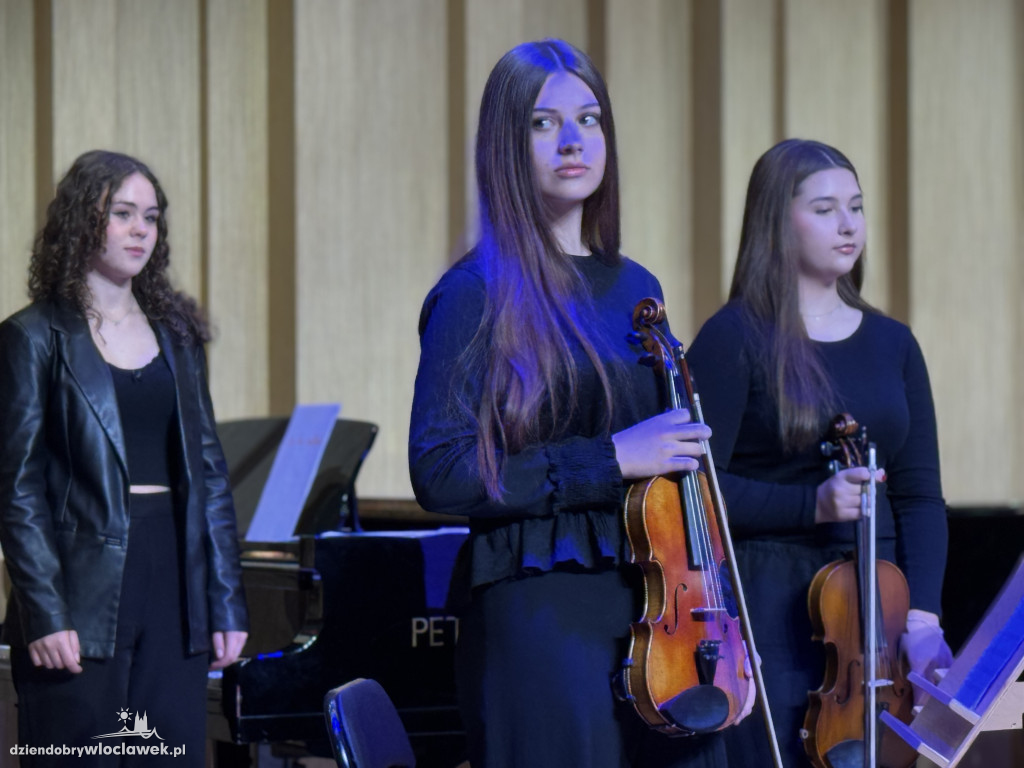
(826,314)
(125,316)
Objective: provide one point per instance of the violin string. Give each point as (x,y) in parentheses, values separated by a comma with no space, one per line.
(710,566)
(695,503)
(709,569)
(693,530)
(885,658)
(709,559)
(687,496)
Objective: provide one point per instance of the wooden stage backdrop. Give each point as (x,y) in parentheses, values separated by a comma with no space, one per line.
(317,156)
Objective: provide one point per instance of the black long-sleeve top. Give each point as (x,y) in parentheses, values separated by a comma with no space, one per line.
(562,500)
(880,378)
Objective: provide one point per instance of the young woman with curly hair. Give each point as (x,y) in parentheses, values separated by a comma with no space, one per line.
(116,517)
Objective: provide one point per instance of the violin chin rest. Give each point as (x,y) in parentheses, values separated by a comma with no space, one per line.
(699,709)
(846,754)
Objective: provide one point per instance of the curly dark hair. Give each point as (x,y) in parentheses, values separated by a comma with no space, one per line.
(75,231)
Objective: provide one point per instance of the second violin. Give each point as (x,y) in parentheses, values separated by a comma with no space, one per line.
(858,609)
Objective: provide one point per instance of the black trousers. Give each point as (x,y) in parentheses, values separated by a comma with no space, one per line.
(151,685)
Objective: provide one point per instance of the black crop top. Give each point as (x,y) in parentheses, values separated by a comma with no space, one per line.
(145,398)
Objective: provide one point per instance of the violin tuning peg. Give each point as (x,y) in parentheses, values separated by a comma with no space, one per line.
(633,337)
(649,360)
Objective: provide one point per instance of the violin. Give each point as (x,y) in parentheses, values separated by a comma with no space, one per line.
(685,671)
(863,673)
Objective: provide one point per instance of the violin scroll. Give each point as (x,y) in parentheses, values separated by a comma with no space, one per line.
(846,438)
(647,315)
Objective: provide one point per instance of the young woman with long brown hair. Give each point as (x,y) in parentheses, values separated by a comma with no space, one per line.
(796,345)
(530,412)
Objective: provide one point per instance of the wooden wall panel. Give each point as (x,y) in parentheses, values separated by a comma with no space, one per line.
(835,91)
(236,286)
(369,109)
(372,210)
(126,77)
(17,151)
(750,111)
(965,213)
(648,73)
(85,92)
(1015,488)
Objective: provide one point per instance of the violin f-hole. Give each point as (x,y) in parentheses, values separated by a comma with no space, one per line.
(671,630)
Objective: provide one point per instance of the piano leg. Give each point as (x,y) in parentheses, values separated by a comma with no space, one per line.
(221,754)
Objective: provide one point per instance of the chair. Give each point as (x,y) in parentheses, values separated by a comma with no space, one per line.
(364,728)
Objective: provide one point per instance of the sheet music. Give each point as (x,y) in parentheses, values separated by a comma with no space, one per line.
(293,472)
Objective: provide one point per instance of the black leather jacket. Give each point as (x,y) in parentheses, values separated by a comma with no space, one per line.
(64,486)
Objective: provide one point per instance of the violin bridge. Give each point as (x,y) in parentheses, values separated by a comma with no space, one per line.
(705,614)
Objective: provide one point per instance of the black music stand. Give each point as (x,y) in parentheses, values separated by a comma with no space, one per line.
(250,446)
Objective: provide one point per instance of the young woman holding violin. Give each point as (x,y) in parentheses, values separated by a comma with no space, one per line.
(795,345)
(530,412)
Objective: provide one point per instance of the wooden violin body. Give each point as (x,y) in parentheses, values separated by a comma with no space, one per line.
(686,671)
(864,674)
(834,724)
(686,656)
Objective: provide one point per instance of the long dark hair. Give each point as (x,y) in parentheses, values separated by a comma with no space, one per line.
(535,298)
(75,231)
(765,282)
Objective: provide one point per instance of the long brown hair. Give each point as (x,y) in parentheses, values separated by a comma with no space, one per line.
(75,231)
(534,295)
(765,282)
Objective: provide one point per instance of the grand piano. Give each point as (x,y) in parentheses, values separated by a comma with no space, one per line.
(359,591)
(369,602)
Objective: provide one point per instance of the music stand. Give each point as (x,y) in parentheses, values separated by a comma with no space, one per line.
(250,446)
(979,692)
